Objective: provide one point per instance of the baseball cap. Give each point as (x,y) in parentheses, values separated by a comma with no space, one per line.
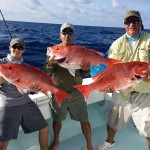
(67,25)
(17,41)
(132,13)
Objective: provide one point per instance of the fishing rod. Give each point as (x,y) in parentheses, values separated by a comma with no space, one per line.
(6,24)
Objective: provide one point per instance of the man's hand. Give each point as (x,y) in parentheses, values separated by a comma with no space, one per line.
(35,88)
(85,65)
(2,80)
(52,60)
(147,78)
(109,89)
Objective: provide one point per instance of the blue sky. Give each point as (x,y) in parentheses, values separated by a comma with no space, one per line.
(107,13)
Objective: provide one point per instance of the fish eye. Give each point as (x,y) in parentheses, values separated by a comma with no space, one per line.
(10,68)
(18,80)
(57,49)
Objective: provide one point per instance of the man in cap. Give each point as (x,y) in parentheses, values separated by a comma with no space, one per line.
(76,105)
(134,45)
(18,109)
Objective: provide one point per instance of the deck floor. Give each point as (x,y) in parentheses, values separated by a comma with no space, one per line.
(129,139)
(72,139)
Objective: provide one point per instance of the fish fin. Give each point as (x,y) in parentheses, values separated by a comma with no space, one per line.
(12,80)
(95,77)
(61,96)
(99,75)
(101,90)
(21,90)
(127,90)
(16,82)
(112,62)
(72,71)
(44,74)
(84,90)
(49,94)
(48,51)
(99,53)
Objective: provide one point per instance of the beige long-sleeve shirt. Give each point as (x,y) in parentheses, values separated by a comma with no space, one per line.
(121,50)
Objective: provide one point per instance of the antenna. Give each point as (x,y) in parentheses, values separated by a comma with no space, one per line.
(6,24)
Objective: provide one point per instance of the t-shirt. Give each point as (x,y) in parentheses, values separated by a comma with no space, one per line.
(9,94)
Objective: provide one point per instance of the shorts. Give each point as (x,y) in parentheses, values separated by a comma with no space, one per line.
(27,115)
(138,108)
(76,106)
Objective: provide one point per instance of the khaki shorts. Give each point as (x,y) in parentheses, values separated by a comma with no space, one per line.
(138,108)
(75,105)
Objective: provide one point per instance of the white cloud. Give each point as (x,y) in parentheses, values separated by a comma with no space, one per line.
(82,1)
(81,12)
(115,3)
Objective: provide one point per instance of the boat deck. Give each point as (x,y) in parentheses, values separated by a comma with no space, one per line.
(71,137)
(129,139)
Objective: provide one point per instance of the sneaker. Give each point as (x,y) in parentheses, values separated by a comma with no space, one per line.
(106,146)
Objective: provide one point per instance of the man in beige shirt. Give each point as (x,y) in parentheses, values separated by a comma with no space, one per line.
(134,45)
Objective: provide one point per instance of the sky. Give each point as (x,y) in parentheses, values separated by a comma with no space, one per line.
(104,13)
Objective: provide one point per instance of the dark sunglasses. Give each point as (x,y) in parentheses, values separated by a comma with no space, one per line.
(17,47)
(65,33)
(134,21)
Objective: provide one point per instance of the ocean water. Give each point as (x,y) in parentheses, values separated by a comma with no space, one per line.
(38,36)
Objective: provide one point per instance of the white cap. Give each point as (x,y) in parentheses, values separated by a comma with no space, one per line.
(67,25)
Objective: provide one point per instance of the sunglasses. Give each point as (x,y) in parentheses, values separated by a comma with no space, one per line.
(134,21)
(65,33)
(17,47)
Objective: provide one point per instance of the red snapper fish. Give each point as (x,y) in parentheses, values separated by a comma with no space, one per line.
(23,76)
(70,57)
(121,77)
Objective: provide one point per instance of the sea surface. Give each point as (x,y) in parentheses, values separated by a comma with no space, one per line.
(39,36)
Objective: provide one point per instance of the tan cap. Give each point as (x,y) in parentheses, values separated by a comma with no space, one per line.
(132,13)
(17,41)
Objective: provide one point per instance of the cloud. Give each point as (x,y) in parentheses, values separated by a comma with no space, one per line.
(83,1)
(80,12)
(115,3)
(35,2)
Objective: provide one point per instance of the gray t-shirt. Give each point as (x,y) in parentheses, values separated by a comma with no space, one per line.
(9,94)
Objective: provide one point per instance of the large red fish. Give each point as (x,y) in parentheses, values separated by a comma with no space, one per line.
(121,76)
(23,76)
(70,57)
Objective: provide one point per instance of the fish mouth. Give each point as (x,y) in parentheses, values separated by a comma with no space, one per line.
(61,60)
(137,76)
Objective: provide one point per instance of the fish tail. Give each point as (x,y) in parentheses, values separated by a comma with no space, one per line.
(61,96)
(84,90)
